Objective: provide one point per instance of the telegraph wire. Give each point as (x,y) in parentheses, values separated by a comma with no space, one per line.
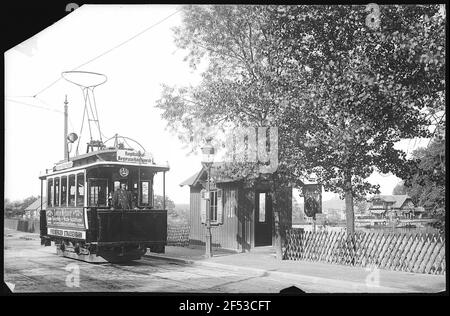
(46,103)
(41,107)
(49,86)
(35,106)
(108,51)
(126,41)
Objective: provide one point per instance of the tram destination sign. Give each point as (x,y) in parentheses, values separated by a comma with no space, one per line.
(66,233)
(132,156)
(63,165)
(66,217)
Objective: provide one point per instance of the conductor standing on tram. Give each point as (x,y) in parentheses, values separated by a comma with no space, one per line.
(122,198)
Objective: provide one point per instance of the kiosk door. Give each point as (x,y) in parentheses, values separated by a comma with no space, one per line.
(263,219)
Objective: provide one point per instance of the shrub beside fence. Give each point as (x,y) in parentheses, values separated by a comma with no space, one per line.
(418,253)
(178,235)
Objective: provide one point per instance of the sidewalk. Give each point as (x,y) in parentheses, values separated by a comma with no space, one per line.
(330,277)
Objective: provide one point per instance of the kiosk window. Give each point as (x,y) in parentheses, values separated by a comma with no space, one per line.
(72,189)
(80,190)
(213,206)
(56,196)
(97,192)
(63,191)
(50,192)
(262,208)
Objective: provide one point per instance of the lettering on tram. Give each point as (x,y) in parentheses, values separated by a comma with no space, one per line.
(100,204)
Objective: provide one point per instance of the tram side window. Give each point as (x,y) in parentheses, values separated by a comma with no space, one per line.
(72,189)
(50,192)
(97,192)
(63,191)
(80,192)
(56,196)
(146,193)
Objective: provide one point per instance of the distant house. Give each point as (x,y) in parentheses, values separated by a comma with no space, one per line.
(240,210)
(394,206)
(33,210)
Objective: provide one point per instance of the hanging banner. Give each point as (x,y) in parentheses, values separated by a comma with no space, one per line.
(313,199)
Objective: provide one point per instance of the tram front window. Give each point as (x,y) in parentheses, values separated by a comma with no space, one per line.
(50,192)
(64,191)
(72,189)
(56,195)
(80,192)
(97,192)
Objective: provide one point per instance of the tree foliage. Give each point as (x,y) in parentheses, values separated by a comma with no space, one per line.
(18,207)
(231,41)
(340,92)
(400,189)
(360,90)
(426,185)
(170,205)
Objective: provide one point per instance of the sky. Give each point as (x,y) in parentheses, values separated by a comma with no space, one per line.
(125,103)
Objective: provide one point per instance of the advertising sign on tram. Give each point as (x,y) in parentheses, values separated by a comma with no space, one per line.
(66,217)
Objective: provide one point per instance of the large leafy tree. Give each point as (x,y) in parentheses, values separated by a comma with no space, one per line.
(340,91)
(237,87)
(360,90)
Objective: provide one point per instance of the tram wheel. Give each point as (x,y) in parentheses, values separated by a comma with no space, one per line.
(158,248)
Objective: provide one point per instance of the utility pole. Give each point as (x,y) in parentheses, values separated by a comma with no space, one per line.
(66,149)
(207,162)
(208,245)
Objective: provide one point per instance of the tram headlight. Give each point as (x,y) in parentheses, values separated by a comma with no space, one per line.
(72,137)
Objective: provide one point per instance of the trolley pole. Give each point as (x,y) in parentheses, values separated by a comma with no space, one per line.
(66,149)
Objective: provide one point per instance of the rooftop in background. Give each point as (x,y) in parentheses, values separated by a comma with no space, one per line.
(398,200)
(36,205)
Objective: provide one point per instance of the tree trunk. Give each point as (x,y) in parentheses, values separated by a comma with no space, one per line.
(276,220)
(349,210)
(278,239)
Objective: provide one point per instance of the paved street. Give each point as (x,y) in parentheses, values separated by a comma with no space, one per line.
(34,268)
(30,267)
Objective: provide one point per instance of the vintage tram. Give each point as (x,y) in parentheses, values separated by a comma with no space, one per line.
(78,215)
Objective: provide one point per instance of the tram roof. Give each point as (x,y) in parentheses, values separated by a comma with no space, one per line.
(102,158)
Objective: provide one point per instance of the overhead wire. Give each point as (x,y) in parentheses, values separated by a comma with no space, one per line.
(35,106)
(108,51)
(131,38)
(45,102)
(83,64)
